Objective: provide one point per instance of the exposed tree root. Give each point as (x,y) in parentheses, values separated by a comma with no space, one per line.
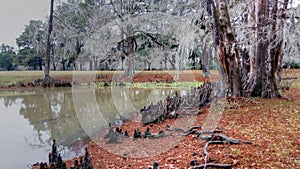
(222,137)
(214,138)
(207,135)
(191,130)
(159,135)
(202,166)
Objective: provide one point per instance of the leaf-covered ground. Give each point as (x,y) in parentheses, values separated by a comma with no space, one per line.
(272,125)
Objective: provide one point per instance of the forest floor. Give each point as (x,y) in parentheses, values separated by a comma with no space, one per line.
(272,125)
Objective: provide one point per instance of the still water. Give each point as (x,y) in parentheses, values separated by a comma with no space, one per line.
(30,119)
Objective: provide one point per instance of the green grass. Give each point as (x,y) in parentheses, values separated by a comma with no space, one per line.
(296,84)
(165,85)
(10,77)
(149,84)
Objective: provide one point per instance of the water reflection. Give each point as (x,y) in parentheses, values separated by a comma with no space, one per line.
(31,119)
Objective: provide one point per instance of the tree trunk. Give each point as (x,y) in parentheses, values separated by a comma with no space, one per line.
(165,61)
(95,64)
(149,65)
(145,64)
(225,45)
(40,63)
(106,66)
(91,64)
(275,52)
(205,60)
(280,44)
(47,77)
(263,83)
(245,65)
(80,66)
(267,52)
(74,65)
(54,66)
(173,62)
(129,72)
(63,65)
(257,83)
(128,50)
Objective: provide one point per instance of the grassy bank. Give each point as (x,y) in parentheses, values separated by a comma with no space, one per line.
(12,77)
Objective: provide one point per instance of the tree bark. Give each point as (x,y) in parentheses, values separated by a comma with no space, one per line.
(245,65)
(206,52)
(129,52)
(95,63)
(91,64)
(226,48)
(280,44)
(275,52)
(165,61)
(263,83)
(259,78)
(54,66)
(47,77)
(267,51)
(40,63)
(63,62)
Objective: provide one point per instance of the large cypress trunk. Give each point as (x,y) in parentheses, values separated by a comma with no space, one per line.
(275,52)
(257,82)
(225,44)
(262,76)
(264,83)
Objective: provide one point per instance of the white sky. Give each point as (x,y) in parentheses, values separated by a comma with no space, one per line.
(15,14)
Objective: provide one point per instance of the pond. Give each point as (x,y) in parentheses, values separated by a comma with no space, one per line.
(30,119)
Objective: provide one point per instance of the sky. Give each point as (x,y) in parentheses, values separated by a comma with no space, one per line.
(15,14)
